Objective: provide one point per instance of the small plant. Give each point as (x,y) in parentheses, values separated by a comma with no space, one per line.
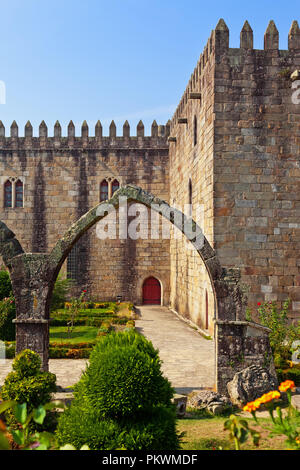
(27,384)
(282,333)
(288,425)
(22,438)
(239,431)
(74,308)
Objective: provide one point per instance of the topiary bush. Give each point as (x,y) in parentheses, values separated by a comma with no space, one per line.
(27,383)
(7,315)
(122,399)
(27,364)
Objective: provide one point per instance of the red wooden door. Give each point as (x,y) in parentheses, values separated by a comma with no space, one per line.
(151,292)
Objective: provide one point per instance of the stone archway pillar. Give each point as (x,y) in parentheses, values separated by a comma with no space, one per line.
(32,287)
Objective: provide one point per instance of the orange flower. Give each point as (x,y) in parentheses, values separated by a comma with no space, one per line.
(269,396)
(251,406)
(288,384)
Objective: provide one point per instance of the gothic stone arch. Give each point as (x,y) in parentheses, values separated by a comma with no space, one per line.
(237,343)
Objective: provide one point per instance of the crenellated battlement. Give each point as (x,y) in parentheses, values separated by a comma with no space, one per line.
(218,46)
(158,138)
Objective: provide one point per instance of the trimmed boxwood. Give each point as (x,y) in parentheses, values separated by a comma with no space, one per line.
(57,351)
(27,384)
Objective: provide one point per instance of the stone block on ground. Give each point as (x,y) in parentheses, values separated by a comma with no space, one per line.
(251,383)
(180,402)
(209,400)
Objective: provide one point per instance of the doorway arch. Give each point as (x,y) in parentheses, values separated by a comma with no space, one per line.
(151,291)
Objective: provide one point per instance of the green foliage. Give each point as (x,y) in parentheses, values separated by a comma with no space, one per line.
(122,399)
(33,390)
(60,293)
(21,436)
(7,315)
(239,431)
(155,431)
(210,444)
(5,285)
(27,363)
(27,384)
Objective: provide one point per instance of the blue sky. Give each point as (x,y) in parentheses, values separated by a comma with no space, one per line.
(116,59)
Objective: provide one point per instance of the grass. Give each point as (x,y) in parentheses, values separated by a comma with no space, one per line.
(84,333)
(206,432)
(80,334)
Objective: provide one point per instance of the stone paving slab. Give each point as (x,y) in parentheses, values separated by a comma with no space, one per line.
(188,358)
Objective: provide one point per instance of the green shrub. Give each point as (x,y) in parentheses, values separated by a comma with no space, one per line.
(7,315)
(27,384)
(282,332)
(27,364)
(124,376)
(156,431)
(122,399)
(5,285)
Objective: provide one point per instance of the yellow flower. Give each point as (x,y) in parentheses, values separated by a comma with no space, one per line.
(288,384)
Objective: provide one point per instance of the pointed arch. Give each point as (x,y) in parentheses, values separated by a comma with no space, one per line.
(227,293)
(104,191)
(8,193)
(115,186)
(19,194)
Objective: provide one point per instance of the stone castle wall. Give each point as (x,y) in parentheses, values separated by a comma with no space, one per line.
(244,166)
(191,178)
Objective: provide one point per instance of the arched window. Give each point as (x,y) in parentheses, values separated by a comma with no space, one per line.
(195,130)
(19,194)
(115,186)
(8,194)
(104,191)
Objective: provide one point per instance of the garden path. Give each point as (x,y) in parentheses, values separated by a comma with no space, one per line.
(188,358)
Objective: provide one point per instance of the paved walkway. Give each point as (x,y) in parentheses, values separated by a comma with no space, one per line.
(188,358)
